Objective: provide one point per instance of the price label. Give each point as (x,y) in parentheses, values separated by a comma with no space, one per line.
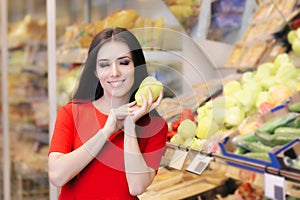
(178,159)
(167,157)
(274,186)
(199,164)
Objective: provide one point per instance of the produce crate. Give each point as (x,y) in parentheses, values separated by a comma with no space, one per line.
(227,148)
(275,156)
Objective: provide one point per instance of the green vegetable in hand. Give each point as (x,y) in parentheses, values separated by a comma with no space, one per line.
(155,86)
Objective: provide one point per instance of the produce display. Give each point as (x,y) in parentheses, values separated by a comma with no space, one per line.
(254,94)
(259,42)
(186,12)
(80,35)
(27,30)
(275,132)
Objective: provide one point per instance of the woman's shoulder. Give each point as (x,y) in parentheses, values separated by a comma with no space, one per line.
(73,104)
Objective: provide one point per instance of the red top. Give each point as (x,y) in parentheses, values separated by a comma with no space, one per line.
(104,177)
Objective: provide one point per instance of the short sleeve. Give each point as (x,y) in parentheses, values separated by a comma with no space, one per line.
(62,137)
(156,143)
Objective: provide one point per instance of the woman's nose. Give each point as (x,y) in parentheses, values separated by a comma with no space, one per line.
(115,69)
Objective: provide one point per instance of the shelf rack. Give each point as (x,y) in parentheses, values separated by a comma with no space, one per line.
(289,175)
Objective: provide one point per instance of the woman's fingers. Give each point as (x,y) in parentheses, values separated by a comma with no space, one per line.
(158,100)
(150,96)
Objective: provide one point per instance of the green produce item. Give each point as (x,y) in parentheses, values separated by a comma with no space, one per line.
(257,147)
(250,137)
(272,124)
(273,140)
(286,72)
(260,156)
(149,82)
(231,87)
(295,123)
(287,131)
(240,150)
(294,107)
(234,116)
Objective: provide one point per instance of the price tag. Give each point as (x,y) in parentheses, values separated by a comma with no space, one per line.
(199,164)
(167,157)
(274,187)
(178,159)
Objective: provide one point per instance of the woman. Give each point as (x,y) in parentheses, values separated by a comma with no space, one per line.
(104,146)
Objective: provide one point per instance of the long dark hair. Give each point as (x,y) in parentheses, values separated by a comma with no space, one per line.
(89,87)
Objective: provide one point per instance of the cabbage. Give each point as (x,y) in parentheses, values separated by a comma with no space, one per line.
(261,98)
(268,82)
(218,115)
(231,88)
(285,73)
(234,116)
(224,102)
(177,139)
(264,70)
(197,144)
(206,127)
(247,99)
(188,141)
(202,112)
(248,95)
(280,59)
(187,128)
(247,77)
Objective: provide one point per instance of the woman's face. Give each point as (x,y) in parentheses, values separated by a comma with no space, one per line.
(115,68)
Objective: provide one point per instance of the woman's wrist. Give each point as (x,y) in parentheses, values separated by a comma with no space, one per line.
(129,127)
(104,132)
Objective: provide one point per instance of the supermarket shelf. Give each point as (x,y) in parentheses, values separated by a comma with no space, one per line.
(71,56)
(79,56)
(289,175)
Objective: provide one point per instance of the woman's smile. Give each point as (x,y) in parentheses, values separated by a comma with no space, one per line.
(116,83)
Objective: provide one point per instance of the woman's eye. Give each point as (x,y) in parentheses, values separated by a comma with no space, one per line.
(103,64)
(124,62)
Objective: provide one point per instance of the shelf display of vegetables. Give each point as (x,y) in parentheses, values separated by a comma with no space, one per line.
(275,132)
(256,93)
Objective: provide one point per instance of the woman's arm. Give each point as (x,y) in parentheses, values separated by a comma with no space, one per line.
(139,175)
(63,167)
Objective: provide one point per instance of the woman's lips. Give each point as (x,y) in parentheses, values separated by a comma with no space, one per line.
(116,83)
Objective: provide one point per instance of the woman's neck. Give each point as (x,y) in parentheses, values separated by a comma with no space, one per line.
(105,103)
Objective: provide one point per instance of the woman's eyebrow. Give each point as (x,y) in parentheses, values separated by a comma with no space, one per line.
(103,59)
(124,57)
(107,60)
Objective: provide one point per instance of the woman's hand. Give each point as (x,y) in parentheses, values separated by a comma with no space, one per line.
(148,105)
(115,120)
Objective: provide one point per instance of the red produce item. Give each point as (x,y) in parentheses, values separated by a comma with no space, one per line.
(175,125)
(187,114)
(296,24)
(264,107)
